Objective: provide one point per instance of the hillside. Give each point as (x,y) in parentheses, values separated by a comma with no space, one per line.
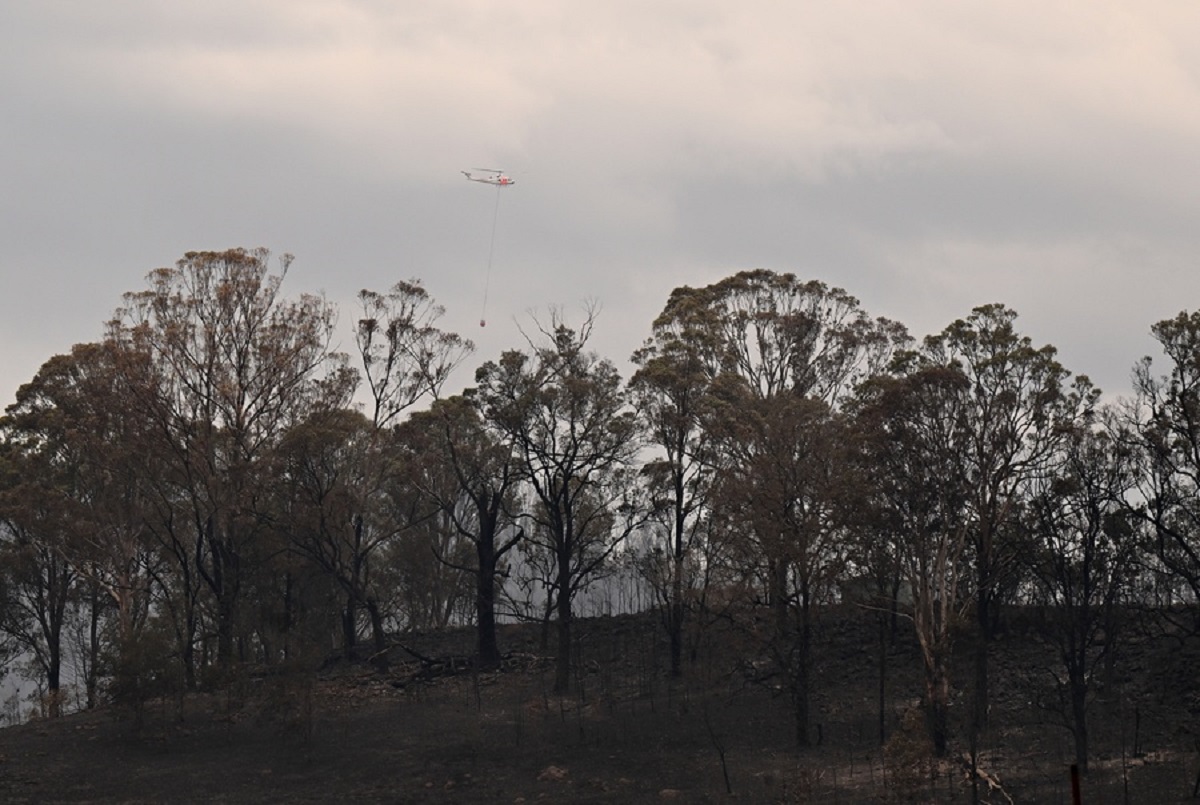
(429,729)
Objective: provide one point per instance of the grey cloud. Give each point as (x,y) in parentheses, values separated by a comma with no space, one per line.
(928,161)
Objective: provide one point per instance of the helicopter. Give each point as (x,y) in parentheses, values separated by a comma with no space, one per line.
(497,179)
(489,176)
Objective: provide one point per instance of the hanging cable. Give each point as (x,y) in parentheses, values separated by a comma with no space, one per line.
(487,280)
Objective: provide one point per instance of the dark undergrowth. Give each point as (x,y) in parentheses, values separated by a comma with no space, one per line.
(431,728)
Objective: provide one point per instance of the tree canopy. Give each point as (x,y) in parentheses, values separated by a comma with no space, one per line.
(212,483)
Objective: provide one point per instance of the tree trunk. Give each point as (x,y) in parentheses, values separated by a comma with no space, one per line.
(54,688)
(979,716)
(894,605)
(225,621)
(93,667)
(1079,720)
(56,616)
(883,619)
(380,658)
(547,617)
(802,684)
(675,611)
(675,632)
(349,627)
(777,594)
(223,582)
(188,654)
(562,672)
(54,679)
(485,605)
(937,704)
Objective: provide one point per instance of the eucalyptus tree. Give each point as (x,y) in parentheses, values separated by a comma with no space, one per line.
(783,481)
(431,582)
(75,412)
(36,524)
(1162,425)
(324,464)
(779,356)
(234,366)
(348,510)
(565,411)
(670,393)
(405,357)
(912,436)
(1018,411)
(1080,565)
(768,336)
(779,334)
(471,474)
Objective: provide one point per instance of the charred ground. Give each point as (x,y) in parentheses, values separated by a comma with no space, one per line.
(431,728)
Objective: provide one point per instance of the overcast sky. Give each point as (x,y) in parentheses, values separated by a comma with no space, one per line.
(927,156)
